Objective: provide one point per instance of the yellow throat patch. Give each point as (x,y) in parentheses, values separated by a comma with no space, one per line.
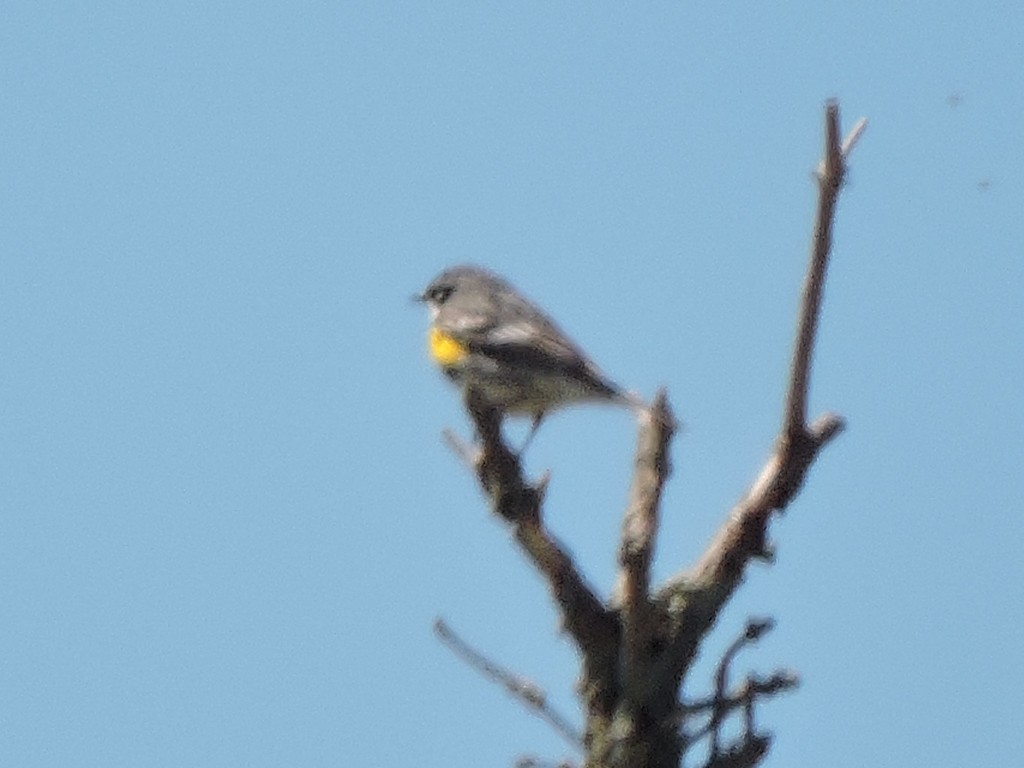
(444,349)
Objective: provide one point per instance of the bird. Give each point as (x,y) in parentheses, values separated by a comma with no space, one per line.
(487,337)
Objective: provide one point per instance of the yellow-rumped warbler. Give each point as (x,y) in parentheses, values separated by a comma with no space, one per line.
(487,337)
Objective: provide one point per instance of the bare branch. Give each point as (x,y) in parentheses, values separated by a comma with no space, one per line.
(698,595)
(753,686)
(849,142)
(722,703)
(753,632)
(831,175)
(530,694)
(518,502)
(636,548)
(830,180)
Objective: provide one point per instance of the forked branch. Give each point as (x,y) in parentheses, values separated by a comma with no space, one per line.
(743,537)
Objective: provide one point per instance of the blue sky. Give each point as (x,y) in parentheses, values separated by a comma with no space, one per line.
(227,520)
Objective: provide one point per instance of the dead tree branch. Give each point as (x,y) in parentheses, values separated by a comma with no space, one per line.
(696,597)
(636,547)
(724,702)
(531,695)
(520,504)
(589,623)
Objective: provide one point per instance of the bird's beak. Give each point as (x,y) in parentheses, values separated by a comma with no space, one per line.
(419,298)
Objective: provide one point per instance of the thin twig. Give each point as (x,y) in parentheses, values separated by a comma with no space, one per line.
(753,686)
(753,631)
(530,694)
(723,703)
(468,454)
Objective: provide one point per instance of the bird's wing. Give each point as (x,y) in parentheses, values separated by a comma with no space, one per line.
(525,337)
(540,344)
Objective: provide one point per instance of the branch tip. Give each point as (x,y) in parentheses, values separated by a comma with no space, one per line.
(854,136)
(529,693)
(467,454)
(756,628)
(825,428)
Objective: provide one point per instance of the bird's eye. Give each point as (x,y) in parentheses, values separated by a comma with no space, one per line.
(440,293)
